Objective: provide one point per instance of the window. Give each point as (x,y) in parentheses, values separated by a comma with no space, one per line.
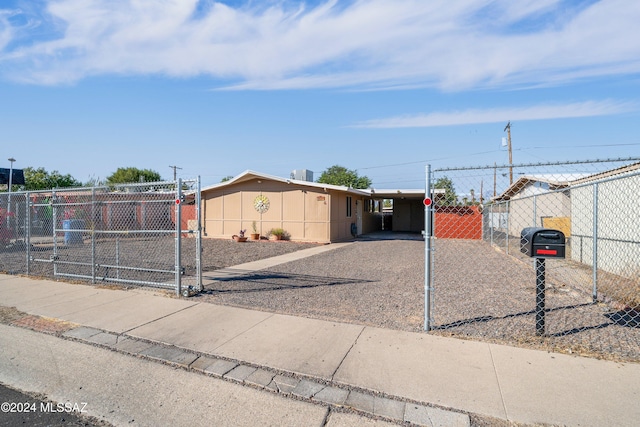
(543,185)
(348,206)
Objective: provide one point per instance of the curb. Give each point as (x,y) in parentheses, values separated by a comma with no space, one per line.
(336,396)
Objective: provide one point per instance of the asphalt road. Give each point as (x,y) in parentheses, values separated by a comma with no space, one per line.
(17,408)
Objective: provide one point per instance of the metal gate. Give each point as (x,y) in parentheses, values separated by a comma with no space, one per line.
(478,283)
(145,234)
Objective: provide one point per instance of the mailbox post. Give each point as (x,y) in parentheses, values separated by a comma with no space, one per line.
(541,243)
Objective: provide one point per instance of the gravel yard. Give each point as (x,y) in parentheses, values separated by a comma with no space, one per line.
(219,253)
(376,283)
(480,293)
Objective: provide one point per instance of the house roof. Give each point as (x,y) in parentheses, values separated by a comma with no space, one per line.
(607,174)
(561,180)
(249,175)
(555,181)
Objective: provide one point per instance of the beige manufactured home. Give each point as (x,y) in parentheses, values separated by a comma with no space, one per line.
(307,211)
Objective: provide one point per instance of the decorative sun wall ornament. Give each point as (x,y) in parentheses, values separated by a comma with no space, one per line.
(261,203)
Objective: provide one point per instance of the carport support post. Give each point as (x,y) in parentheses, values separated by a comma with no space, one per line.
(540,302)
(427,251)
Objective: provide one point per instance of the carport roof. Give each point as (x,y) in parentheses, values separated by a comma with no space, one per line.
(402,193)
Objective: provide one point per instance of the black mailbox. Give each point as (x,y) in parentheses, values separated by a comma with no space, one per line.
(538,242)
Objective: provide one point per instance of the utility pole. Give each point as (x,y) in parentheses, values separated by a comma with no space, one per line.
(508,129)
(174,171)
(495,172)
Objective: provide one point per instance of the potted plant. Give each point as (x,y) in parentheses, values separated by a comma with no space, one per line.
(240,237)
(255,235)
(276,233)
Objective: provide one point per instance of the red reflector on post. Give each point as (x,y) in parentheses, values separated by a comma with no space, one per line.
(546,252)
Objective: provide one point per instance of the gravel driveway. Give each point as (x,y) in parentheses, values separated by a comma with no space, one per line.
(381,283)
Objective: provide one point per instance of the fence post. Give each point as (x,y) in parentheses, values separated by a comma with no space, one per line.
(27,232)
(508,228)
(200,287)
(178,235)
(535,211)
(491,223)
(427,251)
(93,234)
(54,209)
(595,242)
(540,296)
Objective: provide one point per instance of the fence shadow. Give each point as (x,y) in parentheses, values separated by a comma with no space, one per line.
(484,319)
(270,281)
(629,318)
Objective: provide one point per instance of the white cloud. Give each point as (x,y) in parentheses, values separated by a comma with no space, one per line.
(360,43)
(497,115)
(6,31)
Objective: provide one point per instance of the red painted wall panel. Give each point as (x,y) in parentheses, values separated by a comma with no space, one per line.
(458,222)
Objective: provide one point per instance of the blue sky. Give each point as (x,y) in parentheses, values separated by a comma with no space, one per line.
(380,86)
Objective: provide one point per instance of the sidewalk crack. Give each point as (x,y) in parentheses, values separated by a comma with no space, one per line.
(158,318)
(347,353)
(245,331)
(495,372)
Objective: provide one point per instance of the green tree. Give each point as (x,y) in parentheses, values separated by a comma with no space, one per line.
(227,178)
(450,197)
(133,175)
(40,179)
(339,175)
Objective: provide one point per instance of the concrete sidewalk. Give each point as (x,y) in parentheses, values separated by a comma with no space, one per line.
(514,384)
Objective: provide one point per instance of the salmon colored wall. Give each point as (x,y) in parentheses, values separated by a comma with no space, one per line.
(458,222)
(188,213)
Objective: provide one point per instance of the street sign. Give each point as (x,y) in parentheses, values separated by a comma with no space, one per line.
(17,176)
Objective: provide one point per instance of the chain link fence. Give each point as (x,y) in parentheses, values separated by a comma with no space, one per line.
(485,287)
(144,234)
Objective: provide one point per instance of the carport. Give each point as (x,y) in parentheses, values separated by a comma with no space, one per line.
(402,210)
(406,211)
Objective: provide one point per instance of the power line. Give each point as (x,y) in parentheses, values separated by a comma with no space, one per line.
(576,146)
(494,151)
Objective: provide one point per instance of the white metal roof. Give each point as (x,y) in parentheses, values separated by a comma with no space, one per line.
(372,192)
(249,175)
